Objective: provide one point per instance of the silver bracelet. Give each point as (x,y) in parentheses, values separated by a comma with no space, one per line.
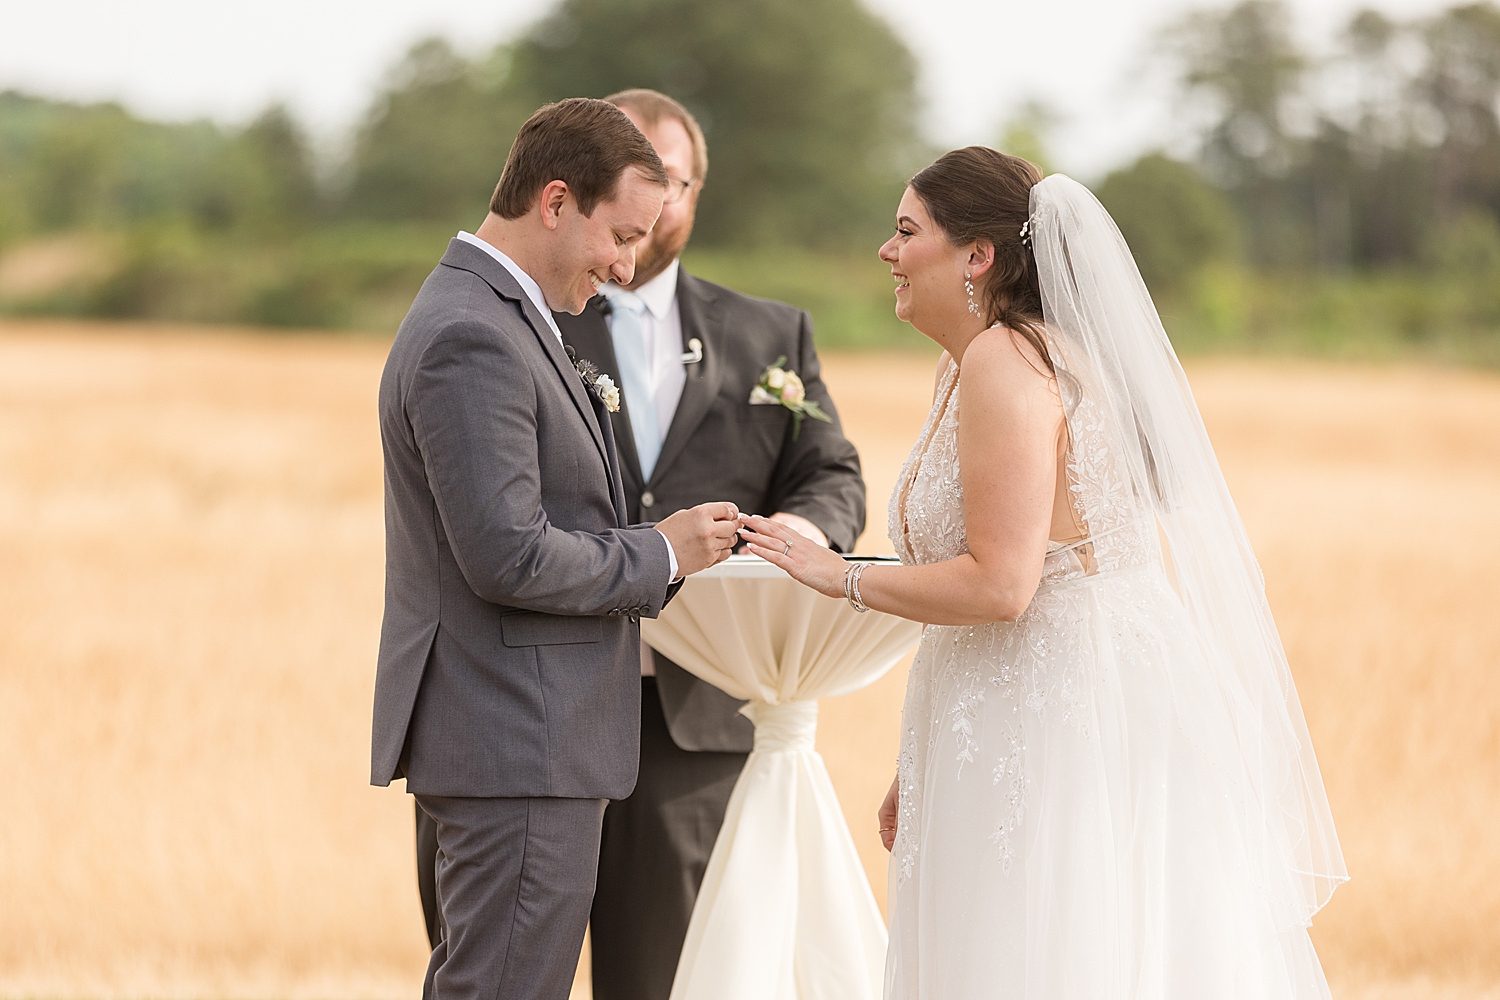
(851,587)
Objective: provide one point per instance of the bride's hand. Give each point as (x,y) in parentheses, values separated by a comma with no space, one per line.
(888,812)
(804,560)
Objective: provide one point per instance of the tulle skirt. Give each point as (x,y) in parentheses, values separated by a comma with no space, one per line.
(1072,821)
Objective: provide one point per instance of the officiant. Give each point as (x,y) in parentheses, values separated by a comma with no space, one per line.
(686,355)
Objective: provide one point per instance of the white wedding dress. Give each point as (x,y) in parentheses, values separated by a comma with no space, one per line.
(1098,801)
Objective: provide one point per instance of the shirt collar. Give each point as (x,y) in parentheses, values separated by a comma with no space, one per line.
(658,294)
(528,284)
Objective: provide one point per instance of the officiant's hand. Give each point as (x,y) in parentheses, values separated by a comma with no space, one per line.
(701,536)
(819,568)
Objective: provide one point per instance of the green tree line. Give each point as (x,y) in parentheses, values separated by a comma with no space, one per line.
(1345,201)
(1342,203)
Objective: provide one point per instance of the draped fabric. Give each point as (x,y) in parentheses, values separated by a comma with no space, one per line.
(785,911)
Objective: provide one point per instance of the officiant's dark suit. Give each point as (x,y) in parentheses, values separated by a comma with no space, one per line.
(694,742)
(686,354)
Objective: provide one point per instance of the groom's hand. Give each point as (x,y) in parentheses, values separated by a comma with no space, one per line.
(701,536)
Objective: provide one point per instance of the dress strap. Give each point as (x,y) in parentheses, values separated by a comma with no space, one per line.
(1090,538)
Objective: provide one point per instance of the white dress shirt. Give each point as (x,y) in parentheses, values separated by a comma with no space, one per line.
(534,292)
(662,325)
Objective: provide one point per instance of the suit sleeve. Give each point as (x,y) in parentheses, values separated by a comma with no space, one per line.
(472,405)
(818,475)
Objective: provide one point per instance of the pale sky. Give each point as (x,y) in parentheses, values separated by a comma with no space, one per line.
(980,59)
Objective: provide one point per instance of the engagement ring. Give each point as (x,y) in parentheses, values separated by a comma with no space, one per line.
(788,550)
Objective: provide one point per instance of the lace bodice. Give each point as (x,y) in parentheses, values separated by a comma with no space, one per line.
(926,512)
(927,507)
(1035,661)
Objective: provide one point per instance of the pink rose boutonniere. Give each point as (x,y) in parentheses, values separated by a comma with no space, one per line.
(782,386)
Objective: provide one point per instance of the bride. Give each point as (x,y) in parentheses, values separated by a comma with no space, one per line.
(1105,786)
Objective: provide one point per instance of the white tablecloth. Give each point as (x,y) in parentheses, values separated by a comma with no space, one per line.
(785,911)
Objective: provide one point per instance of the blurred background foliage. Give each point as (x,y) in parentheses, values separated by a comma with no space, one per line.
(1345,203)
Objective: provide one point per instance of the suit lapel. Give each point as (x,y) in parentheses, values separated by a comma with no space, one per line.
(701,317)
(616,487)
(565,370)
(470,258)
(588,335)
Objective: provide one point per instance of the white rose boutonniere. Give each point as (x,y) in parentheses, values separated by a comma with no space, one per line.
(782,386)
(609,393)
(599,384)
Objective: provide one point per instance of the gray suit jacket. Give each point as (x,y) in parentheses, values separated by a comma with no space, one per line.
(509,654)
(719,447)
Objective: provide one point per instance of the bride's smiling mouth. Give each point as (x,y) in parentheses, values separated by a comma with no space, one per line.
(902,281)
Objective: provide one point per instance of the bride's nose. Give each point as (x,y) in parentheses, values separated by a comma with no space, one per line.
(888,251)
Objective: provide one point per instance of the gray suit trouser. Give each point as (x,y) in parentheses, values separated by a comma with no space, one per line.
(515,881)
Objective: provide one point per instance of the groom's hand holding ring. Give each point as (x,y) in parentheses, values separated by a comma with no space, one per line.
(702,536)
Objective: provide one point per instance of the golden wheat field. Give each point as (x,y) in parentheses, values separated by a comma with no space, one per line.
(190,578)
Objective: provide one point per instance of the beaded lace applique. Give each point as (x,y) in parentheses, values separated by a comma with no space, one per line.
(1036,662)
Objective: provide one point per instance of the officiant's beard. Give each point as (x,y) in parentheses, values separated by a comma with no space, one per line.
(657,251)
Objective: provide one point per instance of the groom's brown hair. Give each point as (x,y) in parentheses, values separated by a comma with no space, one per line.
(584,143)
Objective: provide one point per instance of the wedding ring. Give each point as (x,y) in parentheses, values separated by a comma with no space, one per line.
(788,550)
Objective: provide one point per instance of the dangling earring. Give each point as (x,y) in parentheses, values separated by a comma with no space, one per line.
(969,287)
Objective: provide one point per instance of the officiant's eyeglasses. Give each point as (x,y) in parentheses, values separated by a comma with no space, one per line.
(677,190)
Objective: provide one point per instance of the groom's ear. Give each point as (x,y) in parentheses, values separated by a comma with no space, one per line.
(981,256)
(551,202)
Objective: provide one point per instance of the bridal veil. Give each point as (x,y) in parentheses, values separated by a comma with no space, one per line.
(1108,343)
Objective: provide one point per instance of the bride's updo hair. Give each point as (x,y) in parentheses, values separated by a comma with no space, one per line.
(977,193)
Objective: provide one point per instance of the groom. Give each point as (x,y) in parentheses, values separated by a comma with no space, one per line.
(506,692)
